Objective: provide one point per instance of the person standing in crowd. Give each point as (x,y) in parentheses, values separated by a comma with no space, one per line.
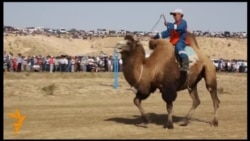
(11,63)
(8,61)
(90,64)
(39,62)
(51,64)
(106,64)
(109,64)
(14,62)
(56,64)
(32,62)
(61,64)
(73,64)
(19,61)
(47,64)
(25,63)
(28,63)
(66,62)
(68,66)
(84,63)
(44,64)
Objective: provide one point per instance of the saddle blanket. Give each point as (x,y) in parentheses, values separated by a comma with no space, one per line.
(193,58)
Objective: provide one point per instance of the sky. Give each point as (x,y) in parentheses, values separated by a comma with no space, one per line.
(131,16)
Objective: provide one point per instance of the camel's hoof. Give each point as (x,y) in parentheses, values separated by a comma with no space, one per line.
(169,126)
(214,123)
(184,122)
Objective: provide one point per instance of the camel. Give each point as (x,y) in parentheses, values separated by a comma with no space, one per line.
(161,71)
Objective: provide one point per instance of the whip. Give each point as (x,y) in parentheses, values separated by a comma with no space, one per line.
(164,17)
(157,22)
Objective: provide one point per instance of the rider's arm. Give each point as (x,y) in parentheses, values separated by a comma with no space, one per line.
(181,27)
(164,34)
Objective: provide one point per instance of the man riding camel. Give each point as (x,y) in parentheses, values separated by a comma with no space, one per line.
(177,33)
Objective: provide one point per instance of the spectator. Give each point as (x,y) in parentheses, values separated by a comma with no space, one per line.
(110,64)
(68,66)
(66,62)
(47,63)
(25,63)
(106,64)
(14,62)
(8,63)
(51,64)
(56,64)
(19,61)
(39,62)
(43,64)
(84,62)
(61,64)
(32,62)
(73,64)
(78,64)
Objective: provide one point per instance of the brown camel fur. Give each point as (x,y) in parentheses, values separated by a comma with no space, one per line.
(160,70)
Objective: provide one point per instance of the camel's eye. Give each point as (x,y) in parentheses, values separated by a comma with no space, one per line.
(129,43)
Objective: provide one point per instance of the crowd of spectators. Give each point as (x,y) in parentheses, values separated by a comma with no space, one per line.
(225,34)
(65,63)
(62,63)
(100,63)
(234,65)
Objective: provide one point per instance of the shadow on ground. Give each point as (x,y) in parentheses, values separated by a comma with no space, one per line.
(158,119)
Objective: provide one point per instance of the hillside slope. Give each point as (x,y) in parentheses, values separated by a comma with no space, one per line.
(42,45)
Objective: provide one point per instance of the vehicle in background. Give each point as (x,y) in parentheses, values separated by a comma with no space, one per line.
(227,34)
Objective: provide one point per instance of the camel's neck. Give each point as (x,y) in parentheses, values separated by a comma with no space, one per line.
(132,66)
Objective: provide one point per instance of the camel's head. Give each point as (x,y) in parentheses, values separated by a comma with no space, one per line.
(127,45)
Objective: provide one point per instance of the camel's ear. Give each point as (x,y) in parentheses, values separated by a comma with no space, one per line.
(152,44)
(129,37)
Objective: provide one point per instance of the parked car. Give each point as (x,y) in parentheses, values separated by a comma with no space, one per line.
(227,34)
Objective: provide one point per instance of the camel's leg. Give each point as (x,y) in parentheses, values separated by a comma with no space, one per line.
(169,123)
(169,95)
(211,84)
(216,102)
(196,102)
(137,101)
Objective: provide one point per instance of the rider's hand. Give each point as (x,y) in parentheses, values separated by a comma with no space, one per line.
(151,37)
(165,23)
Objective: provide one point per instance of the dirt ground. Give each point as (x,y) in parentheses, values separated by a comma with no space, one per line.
(86,106)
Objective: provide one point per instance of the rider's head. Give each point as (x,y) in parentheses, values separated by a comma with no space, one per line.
(177,14)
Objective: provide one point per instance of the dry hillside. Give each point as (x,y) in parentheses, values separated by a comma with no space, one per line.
(35,45)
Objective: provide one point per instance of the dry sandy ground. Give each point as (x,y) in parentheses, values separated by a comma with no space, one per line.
(42,45)
(85,106)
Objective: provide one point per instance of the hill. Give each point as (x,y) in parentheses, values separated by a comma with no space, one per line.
(227,48)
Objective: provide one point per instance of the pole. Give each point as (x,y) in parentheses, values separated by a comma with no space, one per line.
(116,73)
